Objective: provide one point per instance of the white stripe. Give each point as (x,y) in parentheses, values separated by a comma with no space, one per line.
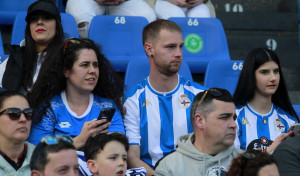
(179,117)
(154,126)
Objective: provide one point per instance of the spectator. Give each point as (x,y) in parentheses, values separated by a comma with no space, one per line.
(158,108)
(84,10)
(106,154)
(264,109)
(209,150)
(15,122)
(184,8)
(287,155)
(54,155)
(43,40)
(72,94)
(253,163)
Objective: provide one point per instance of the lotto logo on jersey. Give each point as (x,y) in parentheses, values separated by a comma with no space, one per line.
(65,125)
(184,102)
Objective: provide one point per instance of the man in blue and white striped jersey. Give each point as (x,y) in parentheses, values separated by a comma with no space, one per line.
(158,108)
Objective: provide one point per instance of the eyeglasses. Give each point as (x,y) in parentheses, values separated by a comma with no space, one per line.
(48,140)
(213,91)
(246,156)
(15,113)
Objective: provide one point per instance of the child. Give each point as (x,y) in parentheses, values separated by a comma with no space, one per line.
(106,154)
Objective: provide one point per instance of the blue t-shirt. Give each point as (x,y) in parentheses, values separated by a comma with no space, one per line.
(61,120)
(154,120)
(252,125)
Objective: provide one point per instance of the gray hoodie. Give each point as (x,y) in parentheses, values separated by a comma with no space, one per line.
(188,161)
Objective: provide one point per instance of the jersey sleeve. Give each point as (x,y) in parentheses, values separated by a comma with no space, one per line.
(117,124)
(132,120)
(44,128)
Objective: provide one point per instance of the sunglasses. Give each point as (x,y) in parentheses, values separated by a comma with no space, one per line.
(15,113)
(75,41)
(48,140)
(213,91)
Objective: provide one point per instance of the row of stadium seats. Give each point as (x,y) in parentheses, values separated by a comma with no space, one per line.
(220,73)
(121,38)
(10,8)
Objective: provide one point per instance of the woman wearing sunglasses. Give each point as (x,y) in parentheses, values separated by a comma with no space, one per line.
(43,39)
(73,96)
(264,109)
(15,123)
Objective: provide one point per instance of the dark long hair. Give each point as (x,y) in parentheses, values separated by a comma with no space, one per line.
(243,165)
(30,53)
(52,81)
(247,83)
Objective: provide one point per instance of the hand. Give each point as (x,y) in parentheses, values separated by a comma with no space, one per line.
(180,3)
(90,128)
(277,141)
(193,3)
(109,2)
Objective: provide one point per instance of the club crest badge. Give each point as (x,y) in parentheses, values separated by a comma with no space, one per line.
(184,102)
(245,121)
(279,125)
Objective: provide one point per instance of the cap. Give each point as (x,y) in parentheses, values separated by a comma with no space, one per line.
(260,144)
(44,6)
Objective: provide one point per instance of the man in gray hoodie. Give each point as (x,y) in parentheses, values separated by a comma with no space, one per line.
(209,150)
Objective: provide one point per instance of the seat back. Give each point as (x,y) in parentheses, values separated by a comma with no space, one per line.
(1,45)
(18,31)
(223,74)
(10,8)
(297,109)
(120,38)
(204,40)
(139,69)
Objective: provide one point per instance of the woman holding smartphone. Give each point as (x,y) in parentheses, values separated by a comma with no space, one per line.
(264,110)
(73,93)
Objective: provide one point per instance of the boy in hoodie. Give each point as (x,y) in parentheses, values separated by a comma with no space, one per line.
(209,150)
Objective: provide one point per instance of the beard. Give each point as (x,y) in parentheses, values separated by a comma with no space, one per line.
(167,69)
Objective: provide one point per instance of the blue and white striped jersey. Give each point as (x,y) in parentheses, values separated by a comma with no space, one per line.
(155,120)
(252,125)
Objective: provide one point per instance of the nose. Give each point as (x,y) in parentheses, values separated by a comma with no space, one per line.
(121,162)
(273,76)
(40,20)
(232,124)
(92,69)
(178,52)
(22,118)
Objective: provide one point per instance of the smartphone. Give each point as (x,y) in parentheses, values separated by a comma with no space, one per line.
(295,128)
(107,113)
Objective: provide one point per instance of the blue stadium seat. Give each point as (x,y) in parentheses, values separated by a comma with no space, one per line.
(204,40)
(60,5)
(3,57)
(223,74)
(297,109)
(120,38)
(1,45)
(10,8)
(18,31)
(139,69)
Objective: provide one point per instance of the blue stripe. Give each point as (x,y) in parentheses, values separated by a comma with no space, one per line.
(242,130)
(166,114)
(263,128)
(144,130)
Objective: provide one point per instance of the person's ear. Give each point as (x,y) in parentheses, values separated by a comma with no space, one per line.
(148,49)
(66,73)
(35,173)
(92,166)
(200,121)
